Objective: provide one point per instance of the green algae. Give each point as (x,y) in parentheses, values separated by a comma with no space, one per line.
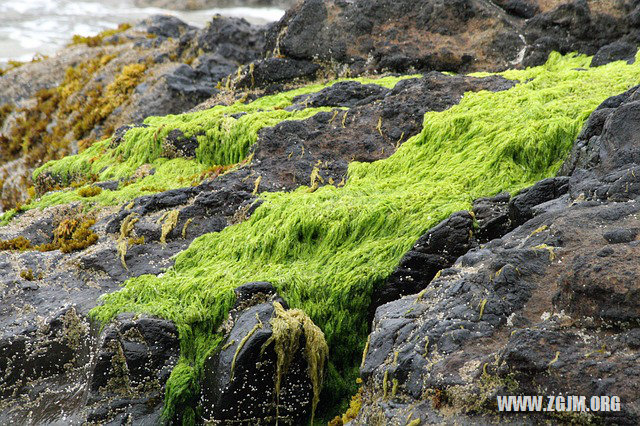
(225,135)
(169,174)
(325,251)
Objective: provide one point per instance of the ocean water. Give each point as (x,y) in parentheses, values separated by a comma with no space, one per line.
(32,27)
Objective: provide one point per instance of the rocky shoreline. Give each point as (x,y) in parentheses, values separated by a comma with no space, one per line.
(255,225)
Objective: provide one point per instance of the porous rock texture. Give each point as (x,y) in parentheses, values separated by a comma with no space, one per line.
(461,35)
(132,360)
(548,308)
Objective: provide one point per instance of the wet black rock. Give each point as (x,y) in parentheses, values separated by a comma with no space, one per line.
(470,335)
(492,217)
(165,26)
(54,349)
(133,361)
(520,206)
(621,135)
(231,38)
(210,4)
(616,51)
(266,72)
(45,364)
(240,378)
(574,26)
(521,8)
(396,35)
(437,249)
(588,149)
(215,52)
(187,82)
(399,36)
(212,54)
(617,236)
(110,185)
(215,66)
(347,94)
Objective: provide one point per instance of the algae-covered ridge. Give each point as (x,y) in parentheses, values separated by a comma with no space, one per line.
(325,251)
(224,134)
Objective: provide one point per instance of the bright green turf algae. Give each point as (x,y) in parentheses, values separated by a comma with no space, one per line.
(225,135)
(326,250)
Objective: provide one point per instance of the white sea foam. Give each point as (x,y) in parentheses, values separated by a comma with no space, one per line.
(30,27)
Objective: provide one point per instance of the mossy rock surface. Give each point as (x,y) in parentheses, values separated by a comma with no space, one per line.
(53,107)
(529,312)
(319,197)
(488,143)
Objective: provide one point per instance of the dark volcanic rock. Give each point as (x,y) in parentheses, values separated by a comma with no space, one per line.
(461,35)
(617,236)
(210,4)
(521,8)
(269,71)
(588,149)
(620,136)
(134,359)
(185,81)
(578,25)
(520,206)
(616,51)
(456,35)
(53,349)
(492,216)
(515,317)
(344,94)
(215,51)
(231,38)
(437,249)
(164,26)
(46,365)
(240,378)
